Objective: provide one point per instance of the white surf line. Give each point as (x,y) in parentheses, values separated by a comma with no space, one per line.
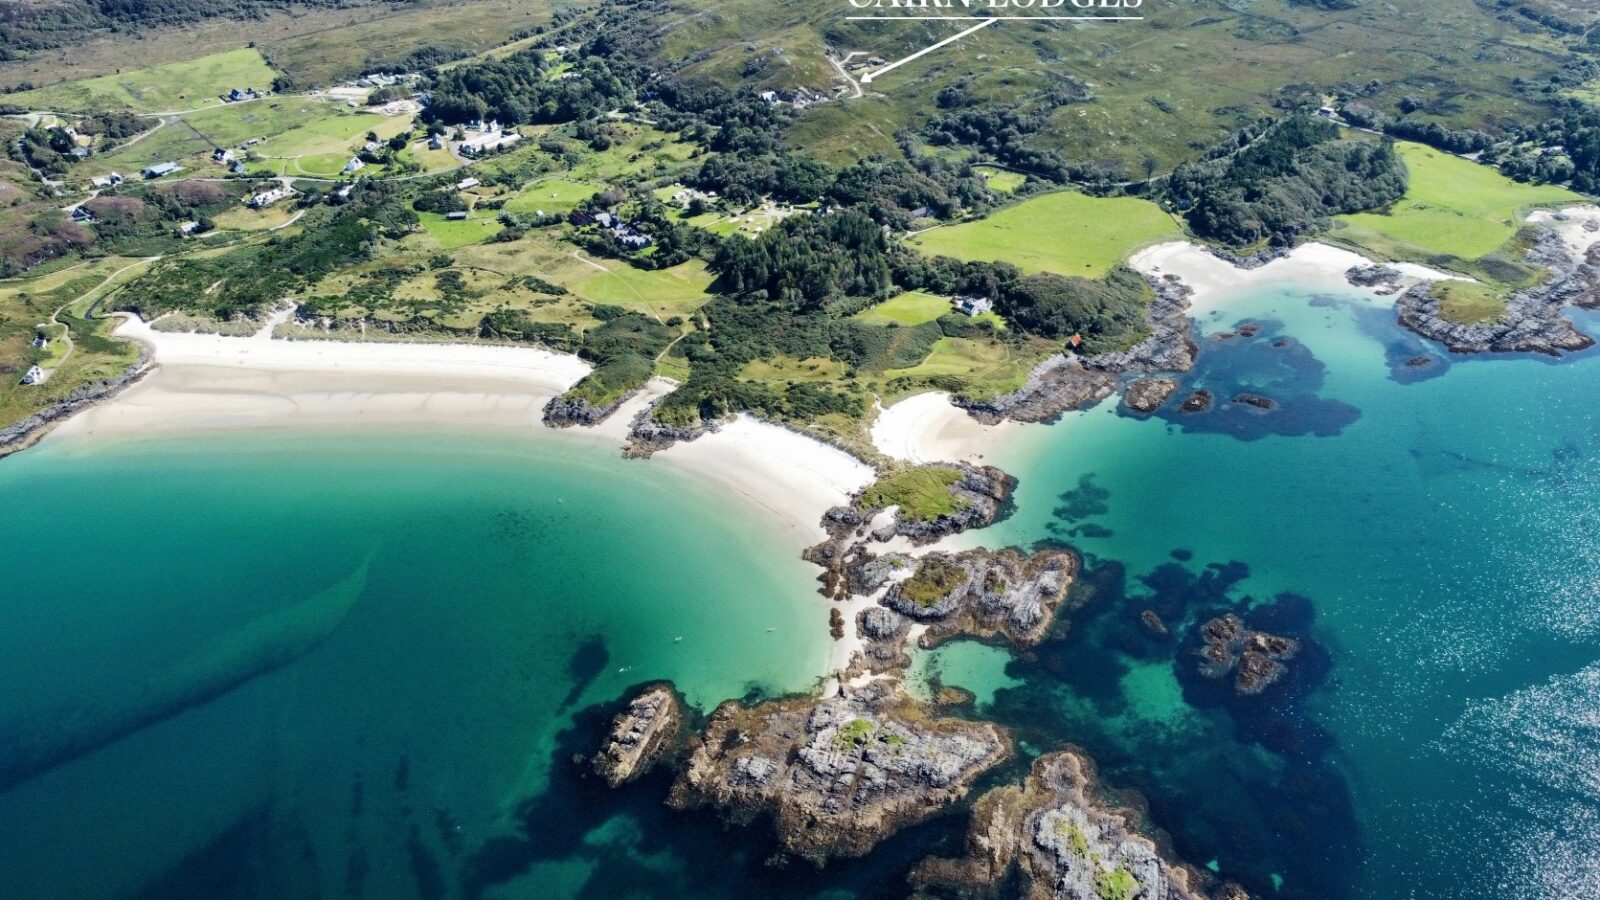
(867,78)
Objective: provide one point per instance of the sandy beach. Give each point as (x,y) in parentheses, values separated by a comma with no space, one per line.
(1578,226)
(929,428)
(1309,265)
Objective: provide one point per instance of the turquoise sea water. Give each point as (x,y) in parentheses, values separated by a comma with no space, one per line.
(360,665)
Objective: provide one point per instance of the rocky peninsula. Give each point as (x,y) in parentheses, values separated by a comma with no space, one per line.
(1052,838)
(837,775)
(985,594)
(1533,321)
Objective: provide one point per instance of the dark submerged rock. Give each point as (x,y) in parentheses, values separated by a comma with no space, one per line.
(1255,658)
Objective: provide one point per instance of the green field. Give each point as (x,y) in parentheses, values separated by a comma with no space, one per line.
(922,494)
(910,308)
(553,194)
(1468,302)
(171,87)
(1067,233)
(1453,207)
(453,235)
(662,293)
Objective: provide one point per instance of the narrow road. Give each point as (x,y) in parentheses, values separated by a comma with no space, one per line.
(838,66)
(66,330)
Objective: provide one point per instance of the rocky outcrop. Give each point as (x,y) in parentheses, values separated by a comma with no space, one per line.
(646,436)
(1170,346)
(1255,659)
(1059,384)
(1533,321)
(20,435)
(1063,843)
(837,775)
(883,635)
(985,595)
(1197,402)
(1147,395)
(639,734)
(1249,261)
(1255,400)
(565,412)
(1385,280)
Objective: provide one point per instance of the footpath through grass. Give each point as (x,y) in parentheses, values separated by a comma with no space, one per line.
(1066,232)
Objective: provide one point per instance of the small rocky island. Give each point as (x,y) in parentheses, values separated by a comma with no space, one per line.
(1149,394)
(984,594)
(838,774)
(1051,838)
(1256,659)
(639,735)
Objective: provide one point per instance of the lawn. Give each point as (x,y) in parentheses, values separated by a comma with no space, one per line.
(910,309)
(1066,232)
(663,293)
(999,180)
(175,86)
(971,359)
(553,194)
(453,235)
(1453,207)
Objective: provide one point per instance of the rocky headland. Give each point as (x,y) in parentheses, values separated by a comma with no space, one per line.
(1255,659)
(21,435)
(639,735)
(566,412)
(1533,321)
(836,775)
(1065,382)
(1052,838)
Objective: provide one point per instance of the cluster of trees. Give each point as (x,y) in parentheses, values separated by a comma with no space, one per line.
(1283,181)
(1578,132)
(518,90)
(623,349)
(47,150)
(806,261)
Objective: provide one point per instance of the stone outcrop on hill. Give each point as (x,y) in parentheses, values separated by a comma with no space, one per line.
(837,775)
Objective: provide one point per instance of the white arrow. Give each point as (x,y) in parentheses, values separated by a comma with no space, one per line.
(867,78)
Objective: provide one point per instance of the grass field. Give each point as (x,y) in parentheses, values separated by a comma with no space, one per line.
(453,235)
(553,194)
(910,308)
(1067,233)
(174,86)
(922,493)
(662,293)
(986,363)
(1453,207)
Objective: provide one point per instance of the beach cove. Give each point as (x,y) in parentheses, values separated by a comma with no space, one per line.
(282,428)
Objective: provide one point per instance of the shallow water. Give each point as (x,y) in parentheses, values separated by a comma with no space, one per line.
(359,666)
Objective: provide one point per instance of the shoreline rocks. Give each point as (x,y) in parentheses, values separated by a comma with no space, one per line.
(836,775)
(562,412)
(1254,658)
(1052,838)
(639,734)
(1386,280)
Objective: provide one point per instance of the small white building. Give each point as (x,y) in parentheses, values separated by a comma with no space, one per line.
(160,169)
(354,165)
(34,375)
(974,306)
(40,342)
(487,142)
(106,181)
(188,228)
(465,183)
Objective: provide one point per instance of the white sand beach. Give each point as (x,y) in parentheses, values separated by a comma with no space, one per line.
(1578,226)
(929,428)
(1308,265)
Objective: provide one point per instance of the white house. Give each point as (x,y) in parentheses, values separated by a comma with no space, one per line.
(465,183)
(974,306)
(160,169)
(35,375)
(487,142)
(40,342)
(267,198)
(354,165)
